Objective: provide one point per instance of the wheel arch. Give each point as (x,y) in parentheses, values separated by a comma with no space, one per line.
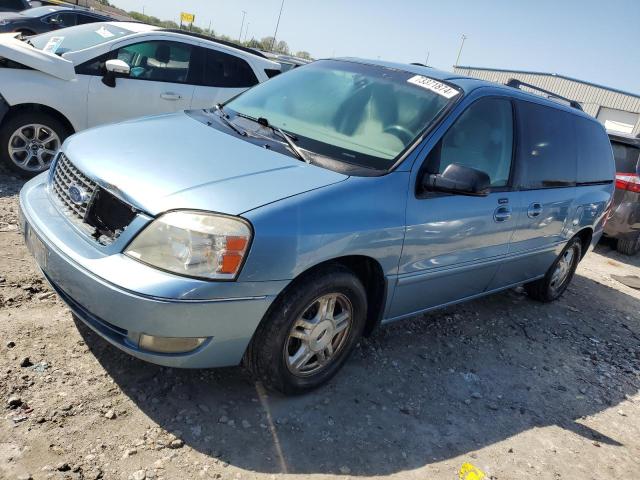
(36,107)
(368,270)
(585,235)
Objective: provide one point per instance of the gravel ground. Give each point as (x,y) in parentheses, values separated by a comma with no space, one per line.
(516,388)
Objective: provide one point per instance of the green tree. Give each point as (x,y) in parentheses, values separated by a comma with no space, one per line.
(282,47)
(304,54)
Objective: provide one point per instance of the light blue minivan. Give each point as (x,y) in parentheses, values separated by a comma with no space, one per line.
(280,227)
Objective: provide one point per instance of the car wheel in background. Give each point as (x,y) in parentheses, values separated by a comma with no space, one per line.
(29,141)
(559,275)
(629,246)
(309,332)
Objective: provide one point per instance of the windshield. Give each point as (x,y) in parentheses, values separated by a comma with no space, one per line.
(360,114)
(78,38)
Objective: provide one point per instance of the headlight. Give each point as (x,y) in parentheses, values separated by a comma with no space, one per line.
(195,244)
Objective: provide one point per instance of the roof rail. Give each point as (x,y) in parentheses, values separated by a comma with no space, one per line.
(515,83)
(216,40)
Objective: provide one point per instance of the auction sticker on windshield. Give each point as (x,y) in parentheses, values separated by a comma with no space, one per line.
(104,33)
(53,44)
(433,85)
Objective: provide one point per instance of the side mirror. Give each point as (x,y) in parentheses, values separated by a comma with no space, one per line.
(115,68)
(458,179)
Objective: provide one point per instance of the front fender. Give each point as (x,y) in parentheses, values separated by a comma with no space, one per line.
(360,216)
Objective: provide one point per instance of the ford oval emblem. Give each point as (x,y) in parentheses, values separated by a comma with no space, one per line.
(77,194)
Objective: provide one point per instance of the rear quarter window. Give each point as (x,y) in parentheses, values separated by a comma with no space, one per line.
(547,148)
(227,71)
(595,158)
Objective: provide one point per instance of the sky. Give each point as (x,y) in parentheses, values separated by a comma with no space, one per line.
(592,40)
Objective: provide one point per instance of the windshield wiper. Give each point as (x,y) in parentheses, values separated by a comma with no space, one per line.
(223,116)
(287,137)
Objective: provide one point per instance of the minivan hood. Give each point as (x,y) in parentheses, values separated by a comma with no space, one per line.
(21,52)
(173,162)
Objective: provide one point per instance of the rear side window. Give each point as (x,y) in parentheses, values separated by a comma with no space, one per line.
(626,158)
(547,152)
(227,71)
(595,162)
(83,19)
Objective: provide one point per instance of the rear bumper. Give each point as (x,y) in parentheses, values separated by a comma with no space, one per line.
(120,314)
(624,220)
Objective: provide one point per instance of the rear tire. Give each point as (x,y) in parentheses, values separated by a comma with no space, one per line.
(629,246)
(29,141)
(295,329)
(559,275)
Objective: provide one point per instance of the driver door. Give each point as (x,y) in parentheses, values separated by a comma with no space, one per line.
(159,82)
(455,243)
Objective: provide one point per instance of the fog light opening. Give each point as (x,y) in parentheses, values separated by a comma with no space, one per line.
(170,344)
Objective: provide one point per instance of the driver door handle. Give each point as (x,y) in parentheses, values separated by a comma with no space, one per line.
(502,214)
(535,210)
(170,96)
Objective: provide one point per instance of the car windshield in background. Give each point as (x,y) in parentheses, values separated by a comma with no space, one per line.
(360,114)
(626,158)
(77,38)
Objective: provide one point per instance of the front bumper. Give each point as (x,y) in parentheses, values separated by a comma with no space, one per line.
(4,108)
(120,299)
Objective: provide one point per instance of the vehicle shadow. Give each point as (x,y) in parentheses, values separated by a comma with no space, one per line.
(417,392)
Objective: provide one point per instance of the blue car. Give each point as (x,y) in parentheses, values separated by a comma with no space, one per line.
(280,227)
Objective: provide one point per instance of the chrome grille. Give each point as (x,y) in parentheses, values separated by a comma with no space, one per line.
(64,176)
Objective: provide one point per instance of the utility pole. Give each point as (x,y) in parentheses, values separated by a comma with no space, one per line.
(427,61)
(273,44)
(464,37)
(246,32)
(244,14)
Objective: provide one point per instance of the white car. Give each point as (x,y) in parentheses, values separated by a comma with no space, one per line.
(58,83)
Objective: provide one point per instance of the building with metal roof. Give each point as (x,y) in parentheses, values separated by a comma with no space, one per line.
(617,110)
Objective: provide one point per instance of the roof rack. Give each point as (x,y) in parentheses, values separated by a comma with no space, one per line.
(515,83)
(215,40)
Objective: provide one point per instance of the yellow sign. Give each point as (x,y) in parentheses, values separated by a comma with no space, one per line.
(469,472)
(187,17)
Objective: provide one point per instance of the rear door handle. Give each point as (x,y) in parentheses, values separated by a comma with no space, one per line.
(502,213)
(535,210)
(170,96)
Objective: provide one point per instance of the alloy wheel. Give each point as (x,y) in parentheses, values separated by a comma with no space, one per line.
(32,147)
(562,271)
(318,335)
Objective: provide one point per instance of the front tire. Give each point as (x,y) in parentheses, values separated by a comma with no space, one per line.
(309,332)
(29,141)
(559,275)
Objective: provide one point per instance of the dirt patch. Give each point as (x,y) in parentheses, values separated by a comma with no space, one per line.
(516,388)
